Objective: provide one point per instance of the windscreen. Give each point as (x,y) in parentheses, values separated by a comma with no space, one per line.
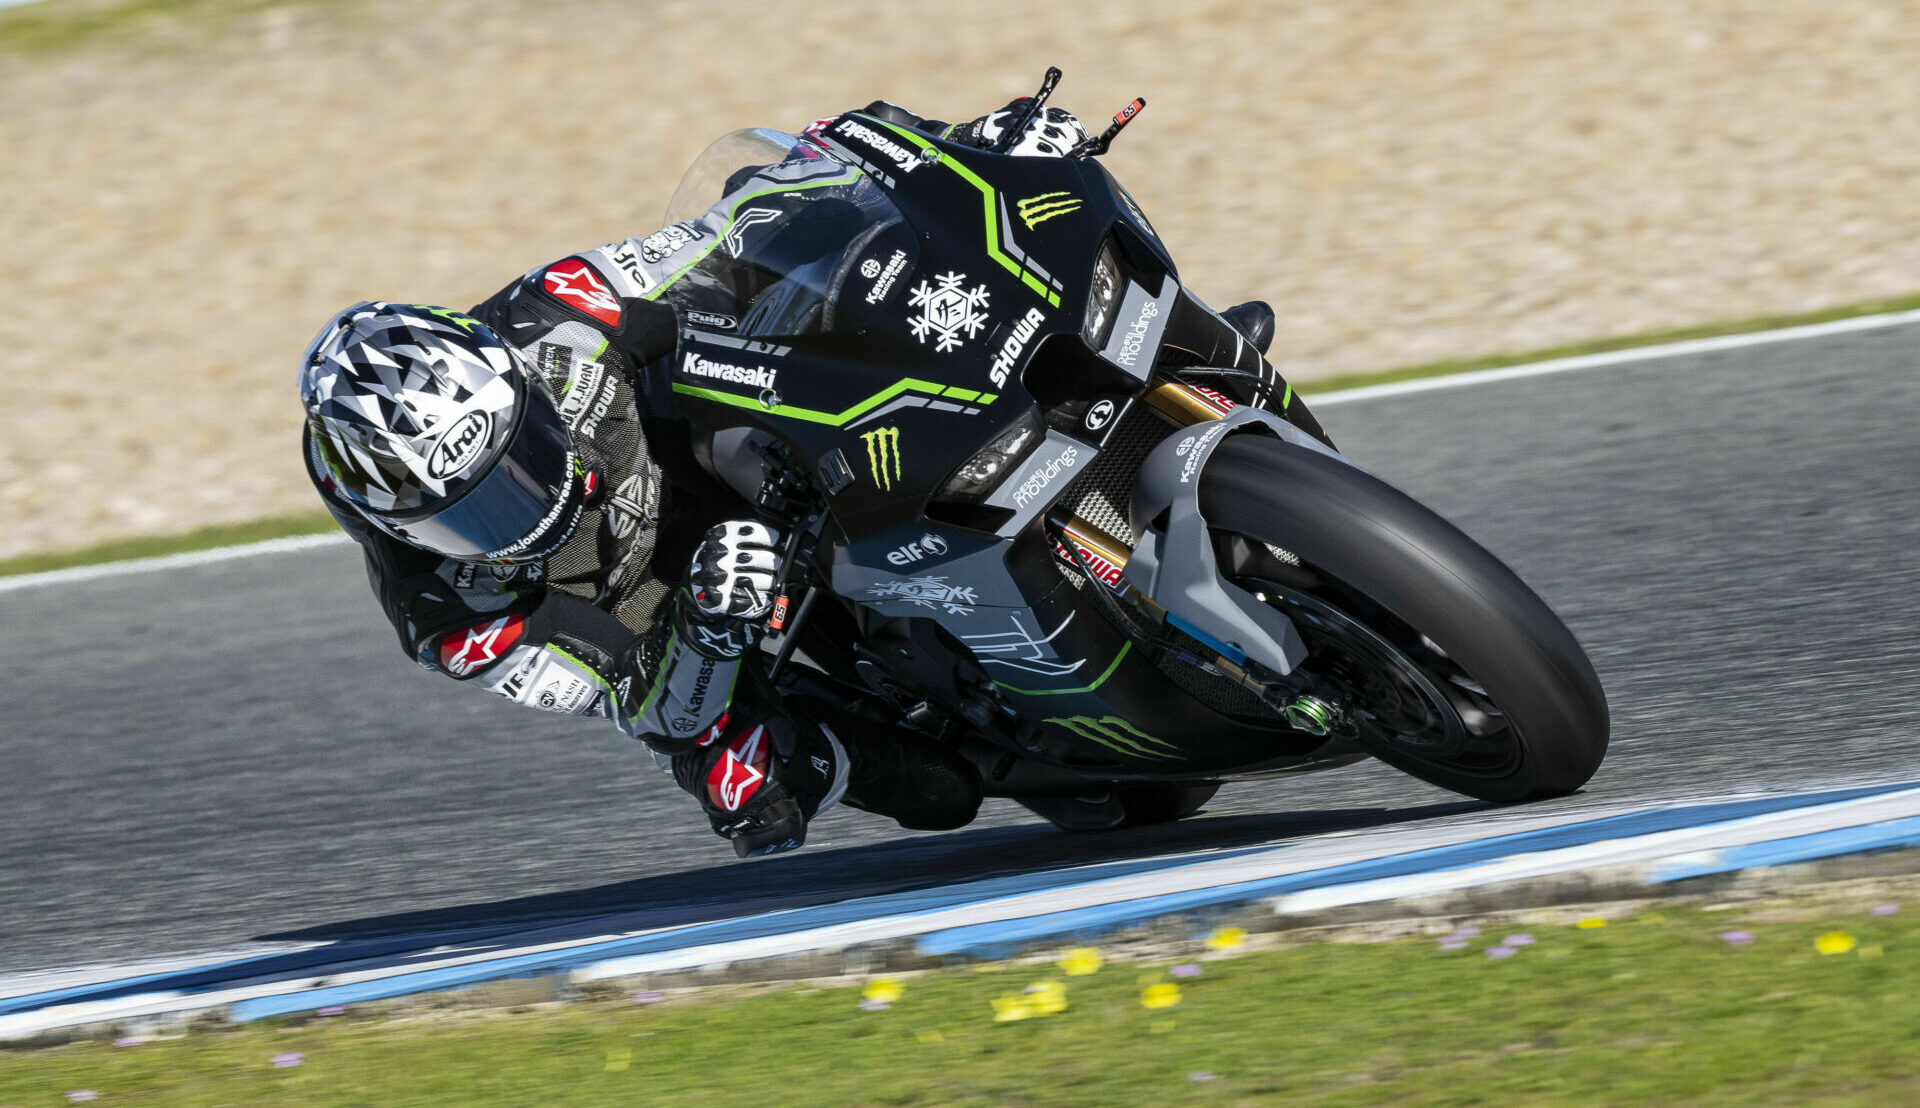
(801,241)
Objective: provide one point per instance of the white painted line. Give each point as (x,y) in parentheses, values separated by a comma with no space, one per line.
(171,561)
(1613,358)
(1344,396)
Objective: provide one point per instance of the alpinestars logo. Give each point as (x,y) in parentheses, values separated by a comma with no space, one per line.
(464,654)
(738,774)
(883,456)
(1035,210)
(576,283)
(946,309)
(758,376)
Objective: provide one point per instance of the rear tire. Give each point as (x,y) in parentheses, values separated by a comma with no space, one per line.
(1122,806)
(1508,705)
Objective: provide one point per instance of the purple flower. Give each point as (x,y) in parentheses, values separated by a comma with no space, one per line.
(81,1096)
(1202,1075)
(1186,969)
(1466,932)
(874,1006)
(1738,938)
(1519,939)
(1453,944)
(647,998)
(287,1061)
(131,1040)
(1500,952)
(331,1010)
(1885,909)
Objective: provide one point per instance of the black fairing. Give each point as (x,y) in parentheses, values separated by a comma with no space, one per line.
(965,601)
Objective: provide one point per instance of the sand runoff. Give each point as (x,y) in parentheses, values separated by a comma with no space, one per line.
(1404,181)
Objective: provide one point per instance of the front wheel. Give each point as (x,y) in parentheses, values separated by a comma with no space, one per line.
(1433,656)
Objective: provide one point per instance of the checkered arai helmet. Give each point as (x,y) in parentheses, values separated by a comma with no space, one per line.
(437,433)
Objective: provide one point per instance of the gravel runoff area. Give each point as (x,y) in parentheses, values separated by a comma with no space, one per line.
(1404,181)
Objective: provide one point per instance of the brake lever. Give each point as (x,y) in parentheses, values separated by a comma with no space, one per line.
(1034,103)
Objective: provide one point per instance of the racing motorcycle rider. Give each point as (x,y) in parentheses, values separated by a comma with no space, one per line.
(525,502)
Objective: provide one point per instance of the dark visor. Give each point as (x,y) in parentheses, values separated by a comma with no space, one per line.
(525,496)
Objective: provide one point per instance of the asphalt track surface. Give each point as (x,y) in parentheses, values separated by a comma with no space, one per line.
(204,756)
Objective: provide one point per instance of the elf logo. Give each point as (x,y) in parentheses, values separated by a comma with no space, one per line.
(927,546)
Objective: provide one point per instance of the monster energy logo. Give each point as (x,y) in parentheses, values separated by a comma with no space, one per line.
(883,455)
(1118,735)
(464,322)
(1035,210)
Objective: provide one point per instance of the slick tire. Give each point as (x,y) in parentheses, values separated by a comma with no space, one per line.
(1414,580)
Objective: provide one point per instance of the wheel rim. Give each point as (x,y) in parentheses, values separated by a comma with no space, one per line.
(1408,699)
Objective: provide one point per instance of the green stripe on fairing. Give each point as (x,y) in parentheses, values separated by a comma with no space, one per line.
(732,214)
(1097,682)
(987,196)
(831,419)
(959,393)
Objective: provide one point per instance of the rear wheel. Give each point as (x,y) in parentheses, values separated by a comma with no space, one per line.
(1122,806)
(1433,656)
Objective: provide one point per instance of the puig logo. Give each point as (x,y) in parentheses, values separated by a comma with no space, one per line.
(928,545)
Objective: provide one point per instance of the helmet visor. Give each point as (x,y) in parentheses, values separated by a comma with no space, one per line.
(523,508)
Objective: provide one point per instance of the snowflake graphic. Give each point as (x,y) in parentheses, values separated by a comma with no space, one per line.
(946,309)
(928,592)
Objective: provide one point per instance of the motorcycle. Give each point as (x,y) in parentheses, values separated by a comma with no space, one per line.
(1048,507)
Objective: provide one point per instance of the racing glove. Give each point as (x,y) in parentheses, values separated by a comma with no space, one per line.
(760,782)
(1052,133)
(730,588)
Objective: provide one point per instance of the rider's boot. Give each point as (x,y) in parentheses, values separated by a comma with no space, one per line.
(1254,319)
(920,784)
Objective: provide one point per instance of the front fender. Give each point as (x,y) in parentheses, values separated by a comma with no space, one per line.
(1173,562)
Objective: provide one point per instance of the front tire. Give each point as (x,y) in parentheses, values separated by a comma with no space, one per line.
(1456,672)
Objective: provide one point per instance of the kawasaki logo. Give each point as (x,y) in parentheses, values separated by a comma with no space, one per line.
(1035,210)
(883,455)
(1015,343)
(902,158)
(758,376)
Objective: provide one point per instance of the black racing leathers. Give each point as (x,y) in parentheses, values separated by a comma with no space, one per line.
(593,629)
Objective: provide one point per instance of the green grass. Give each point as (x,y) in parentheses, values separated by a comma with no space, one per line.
(200,538)
(1652,1010)
(1602,346)
(53,26)
(282,526)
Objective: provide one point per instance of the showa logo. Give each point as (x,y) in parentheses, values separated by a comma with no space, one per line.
(1016,342)
(928,545)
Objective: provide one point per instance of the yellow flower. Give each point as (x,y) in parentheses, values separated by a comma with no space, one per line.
(1047,998)
(1227,938)
(885,990)
(1007,1009)
(1164,995)
(1834,942)
(1590,923)
(1080,962)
